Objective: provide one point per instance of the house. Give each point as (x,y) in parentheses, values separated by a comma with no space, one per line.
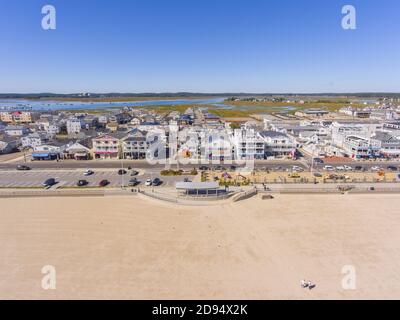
(77,151)
(278,144)
(16,131)
(8,145)
(106,146)
(33,140)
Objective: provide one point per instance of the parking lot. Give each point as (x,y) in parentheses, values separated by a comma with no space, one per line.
(68,179)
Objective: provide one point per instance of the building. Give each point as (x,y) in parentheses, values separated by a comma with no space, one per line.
(248,144)
(106,147)
(135,145)
(388,145)
(278,144)
(16,131)
(34,140)
(359,148)
(312,113)
(16,117)
(77,151)
(47,153)
(74,126)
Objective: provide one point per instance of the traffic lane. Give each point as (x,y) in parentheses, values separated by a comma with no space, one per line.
(134,164)
(35,179)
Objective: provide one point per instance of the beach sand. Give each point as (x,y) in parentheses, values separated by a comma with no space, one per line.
(132,248)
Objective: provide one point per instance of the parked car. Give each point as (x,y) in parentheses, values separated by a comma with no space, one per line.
(104,183)
(134,173)
(297,169)
(392,168)
(203,168)
(82,183)
(148,182)
(122,172)
(133,182)
(186,180)
(317,175)
(340,168)
(23,168)
(318,160)
(376,168)
(156,182)
(358,168)
(88,173)
(329,168)
(348,168)
(49,182)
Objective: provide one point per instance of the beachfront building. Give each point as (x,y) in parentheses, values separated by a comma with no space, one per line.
(248,144)
(216,145)
(77,151)
(106,146)
(135,145)
(278,144)
(388,145)
(47,152)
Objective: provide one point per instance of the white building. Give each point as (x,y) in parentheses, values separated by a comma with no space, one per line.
(74,126)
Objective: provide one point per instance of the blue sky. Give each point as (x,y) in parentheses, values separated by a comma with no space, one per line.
(199,46)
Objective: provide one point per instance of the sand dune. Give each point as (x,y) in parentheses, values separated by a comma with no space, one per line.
(129,248)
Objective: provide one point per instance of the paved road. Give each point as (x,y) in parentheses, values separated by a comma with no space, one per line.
(154,168)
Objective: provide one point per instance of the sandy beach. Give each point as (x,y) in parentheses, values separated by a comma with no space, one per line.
(132,248)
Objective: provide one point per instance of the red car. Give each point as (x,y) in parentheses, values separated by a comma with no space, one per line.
(104,183)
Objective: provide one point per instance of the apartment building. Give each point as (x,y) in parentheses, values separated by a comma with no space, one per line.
(16,117)
(278,144)
(74,126)
(248,144)
(106,146)
(135,145)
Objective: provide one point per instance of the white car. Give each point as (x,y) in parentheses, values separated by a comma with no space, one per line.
(375,168)
(329,168)
(340,168)
(348,168)
(88,173)
(149,182)
(297,169)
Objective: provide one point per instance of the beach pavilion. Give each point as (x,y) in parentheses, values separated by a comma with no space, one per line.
(199,189)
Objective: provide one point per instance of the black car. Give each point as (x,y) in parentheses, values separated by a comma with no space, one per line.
(104,183)
(23,168)
(318,160)
(358,168)
(121,172)
(49,182)
(392,168)
(134,173)
(203,168)
(82,183)
(156,182)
